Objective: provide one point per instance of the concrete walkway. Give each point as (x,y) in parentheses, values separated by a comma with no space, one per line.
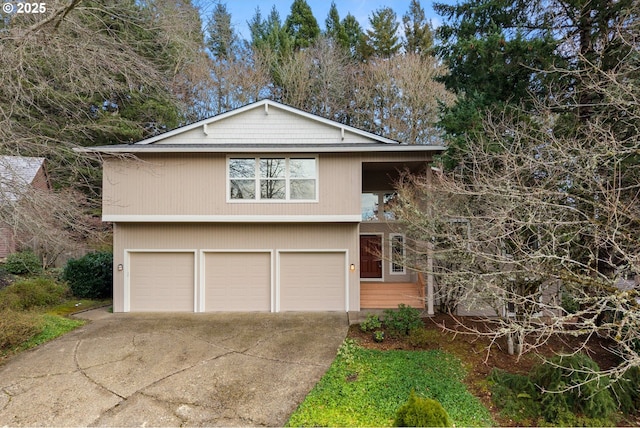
(227,369)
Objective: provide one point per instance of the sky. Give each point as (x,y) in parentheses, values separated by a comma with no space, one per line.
(243,10)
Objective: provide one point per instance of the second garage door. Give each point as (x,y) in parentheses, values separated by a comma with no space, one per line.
(237,281)
(312,281)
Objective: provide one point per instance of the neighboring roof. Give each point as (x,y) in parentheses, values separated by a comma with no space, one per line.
(16,174)
(157,143)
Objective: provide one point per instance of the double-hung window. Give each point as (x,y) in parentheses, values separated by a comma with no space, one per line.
(272,179)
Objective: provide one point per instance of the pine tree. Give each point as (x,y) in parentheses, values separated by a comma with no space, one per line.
(222,39)
(382,40)
(354,35)
(334,29)
(418,32)
(301,25)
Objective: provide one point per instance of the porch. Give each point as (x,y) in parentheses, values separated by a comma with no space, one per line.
(384,295)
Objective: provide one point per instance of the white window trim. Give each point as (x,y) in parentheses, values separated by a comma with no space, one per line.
(256,179)
(391,253)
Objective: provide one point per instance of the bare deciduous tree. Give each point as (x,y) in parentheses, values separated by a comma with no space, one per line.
(539,224)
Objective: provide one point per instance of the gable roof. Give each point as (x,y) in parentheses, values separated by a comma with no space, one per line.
(17,174)
(226,133)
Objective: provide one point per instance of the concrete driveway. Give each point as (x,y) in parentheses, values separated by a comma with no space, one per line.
(170,370)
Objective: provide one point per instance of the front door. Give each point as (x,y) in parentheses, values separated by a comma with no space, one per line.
(370,256)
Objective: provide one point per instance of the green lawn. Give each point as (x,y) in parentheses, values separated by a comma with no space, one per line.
(365,387)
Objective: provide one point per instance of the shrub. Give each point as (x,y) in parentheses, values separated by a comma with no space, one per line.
(422,412)
(5,278)
(626,391)
(571,387)
(420,337)
(515,395)
(372,322)
(17,327)
(401,321)
(23,263)
(32,292)
(90,276)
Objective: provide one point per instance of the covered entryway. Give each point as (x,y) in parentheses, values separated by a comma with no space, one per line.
(371,256)
(312,281)
(237,281)
(161,281)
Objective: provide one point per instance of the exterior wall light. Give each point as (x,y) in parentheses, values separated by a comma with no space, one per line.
(120,267)
(352,267)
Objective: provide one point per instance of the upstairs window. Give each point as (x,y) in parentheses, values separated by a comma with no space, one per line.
(272,179)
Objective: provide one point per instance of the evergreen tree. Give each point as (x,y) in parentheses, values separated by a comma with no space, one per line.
(270,34)
(222,39)
(495,56)
(354,35)
(418,32)
(334,29)
(382,40)
(301,25)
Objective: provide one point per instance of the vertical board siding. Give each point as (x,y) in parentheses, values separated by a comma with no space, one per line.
(245,237)
(387,228)
(196,184)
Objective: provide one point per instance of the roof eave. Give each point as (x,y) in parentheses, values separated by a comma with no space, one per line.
(136,149)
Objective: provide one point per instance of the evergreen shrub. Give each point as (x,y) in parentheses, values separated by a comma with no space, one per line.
(30,293)
(515,395)
(626,391)
(571,389)
(401,321)
(422,412)
(91,276)
(23,263)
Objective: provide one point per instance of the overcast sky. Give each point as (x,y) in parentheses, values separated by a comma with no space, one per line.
(243,10)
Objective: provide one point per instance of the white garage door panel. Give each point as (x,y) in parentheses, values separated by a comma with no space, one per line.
(238,281)
(162,282)
(312,281)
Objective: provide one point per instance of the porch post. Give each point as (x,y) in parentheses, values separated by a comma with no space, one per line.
(430,310)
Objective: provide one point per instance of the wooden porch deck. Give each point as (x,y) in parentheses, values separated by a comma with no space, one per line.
(383,295)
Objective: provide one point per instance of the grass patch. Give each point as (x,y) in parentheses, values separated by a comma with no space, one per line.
(366,387)
(75,305)
(52,326)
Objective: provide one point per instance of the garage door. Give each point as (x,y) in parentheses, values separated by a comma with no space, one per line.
(312,281)
(237,281)
(161,281)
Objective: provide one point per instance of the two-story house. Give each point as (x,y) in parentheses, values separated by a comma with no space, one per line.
(263,208)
